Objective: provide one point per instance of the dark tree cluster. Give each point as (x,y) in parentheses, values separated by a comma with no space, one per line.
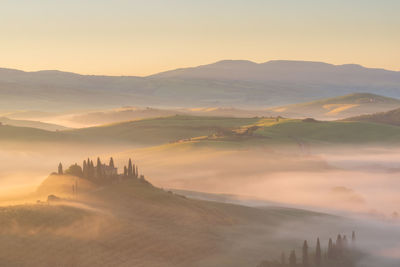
(342,253)
(101,171)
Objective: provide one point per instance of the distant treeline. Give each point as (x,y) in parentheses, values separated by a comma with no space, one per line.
(100,171)
(342,253)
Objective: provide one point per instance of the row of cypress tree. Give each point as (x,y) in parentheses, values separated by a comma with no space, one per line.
(338,254)
(100,171)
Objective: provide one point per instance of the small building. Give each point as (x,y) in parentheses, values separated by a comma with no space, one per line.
(107,171)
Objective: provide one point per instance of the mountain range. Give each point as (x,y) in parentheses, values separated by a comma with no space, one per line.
(228,83)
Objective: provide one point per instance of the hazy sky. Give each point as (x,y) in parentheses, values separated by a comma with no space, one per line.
(140,37)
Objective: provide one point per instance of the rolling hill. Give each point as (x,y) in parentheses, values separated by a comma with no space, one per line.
(225,83)
(29,134)
(97,118)
(298,133)
(391,117)
(32,124)
(339,107)
(215,131)
(158,131)
(328,109)
(135,224)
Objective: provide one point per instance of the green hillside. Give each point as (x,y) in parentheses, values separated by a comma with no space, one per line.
(215,131)
(162,130)
(301,132)
(391,117)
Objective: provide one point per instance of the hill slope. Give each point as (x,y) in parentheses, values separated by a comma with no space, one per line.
(215,131)
(32,124)
(339,107)
(134,224)
(391,117)
(225,83)
(161,130)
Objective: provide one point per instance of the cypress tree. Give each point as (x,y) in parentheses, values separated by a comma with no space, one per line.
(130,170)
(292,259)
(99,169)
(85,169)
(125,171)
(339,243)
(137,172)
(60,169)
(91,174)
(305,254)
(318,256)
(330,249)
(111,162)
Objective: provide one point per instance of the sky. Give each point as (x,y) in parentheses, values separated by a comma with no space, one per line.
(142,37)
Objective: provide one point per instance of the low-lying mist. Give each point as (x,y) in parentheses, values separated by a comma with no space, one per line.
(357,180)
(361,184)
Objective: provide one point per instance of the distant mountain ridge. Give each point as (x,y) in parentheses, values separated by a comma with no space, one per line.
(228,83)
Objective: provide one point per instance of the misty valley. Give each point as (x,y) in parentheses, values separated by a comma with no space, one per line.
(188,133)
(196,187)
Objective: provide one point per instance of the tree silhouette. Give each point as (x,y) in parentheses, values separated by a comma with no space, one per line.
(339,245)
(99,168)
(305,254)
(130,169)
(318,256)
(60,169)
(91,172)
(330,249)
(85,169)
(75,170)
(111,162)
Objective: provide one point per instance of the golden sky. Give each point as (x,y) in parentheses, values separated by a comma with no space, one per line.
(122,37)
